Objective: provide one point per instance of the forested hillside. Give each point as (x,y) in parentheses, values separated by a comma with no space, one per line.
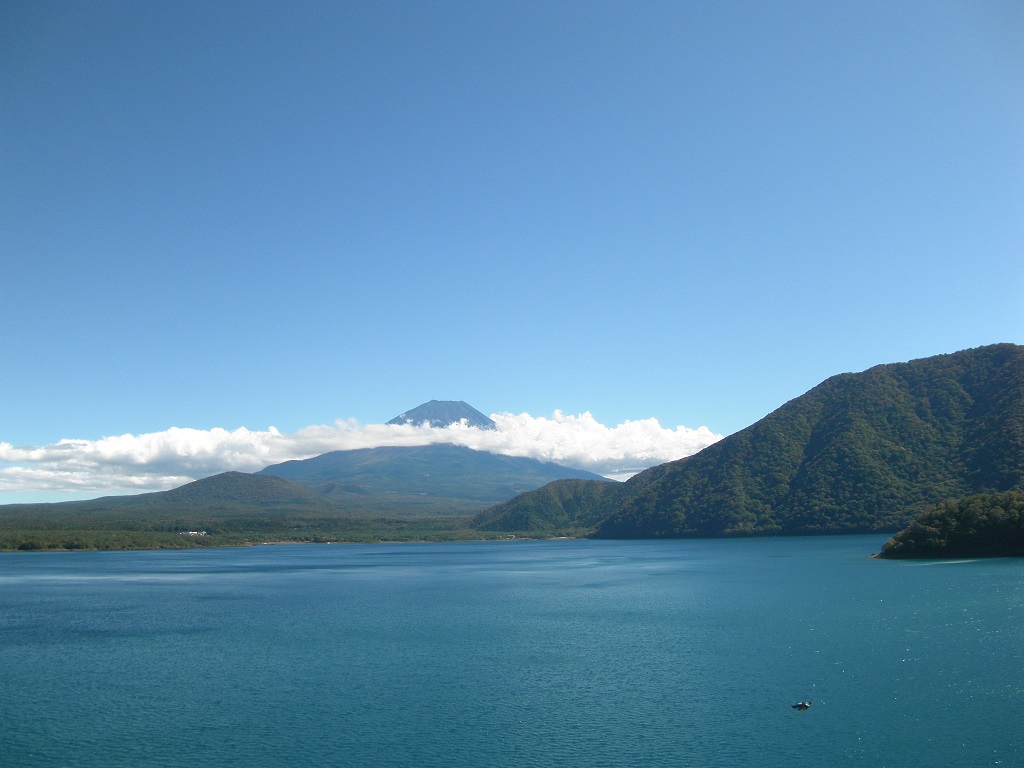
(984,525)
(860,452)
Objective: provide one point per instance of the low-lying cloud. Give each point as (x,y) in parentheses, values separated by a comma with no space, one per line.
(162,460)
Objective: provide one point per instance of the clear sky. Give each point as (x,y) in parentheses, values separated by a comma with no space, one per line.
(226,215)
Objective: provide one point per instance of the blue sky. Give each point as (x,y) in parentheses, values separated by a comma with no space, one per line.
(244,215)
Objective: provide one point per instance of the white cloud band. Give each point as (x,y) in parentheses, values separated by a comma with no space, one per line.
(161,460)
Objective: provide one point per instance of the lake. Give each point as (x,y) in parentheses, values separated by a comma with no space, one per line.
(553,653)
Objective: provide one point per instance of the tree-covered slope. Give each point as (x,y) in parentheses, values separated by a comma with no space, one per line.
(242,488)
(860,452)
(558,506)
(984,525)
(564,504)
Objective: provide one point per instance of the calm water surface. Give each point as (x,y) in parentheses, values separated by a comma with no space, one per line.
(562,653)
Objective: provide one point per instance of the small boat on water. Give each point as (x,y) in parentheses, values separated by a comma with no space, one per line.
(803,706)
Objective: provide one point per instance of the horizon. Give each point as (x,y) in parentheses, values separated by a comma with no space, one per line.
(621,225)
(130,464)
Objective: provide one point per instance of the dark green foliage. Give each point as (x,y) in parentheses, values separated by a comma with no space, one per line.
(858,453)
(224,525)
(557,506)
(127,532)
(984,525)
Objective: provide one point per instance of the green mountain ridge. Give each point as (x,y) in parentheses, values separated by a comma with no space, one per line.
(461,477)
(559,505)
(398,493)
(223,488)
(861,452)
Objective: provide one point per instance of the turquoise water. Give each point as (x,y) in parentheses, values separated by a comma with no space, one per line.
(562,653)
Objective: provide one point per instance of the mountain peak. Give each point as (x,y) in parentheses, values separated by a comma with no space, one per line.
(441,413)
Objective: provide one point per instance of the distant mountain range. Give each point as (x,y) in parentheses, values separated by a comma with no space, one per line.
(860,452)
(435,479)
(429,480)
